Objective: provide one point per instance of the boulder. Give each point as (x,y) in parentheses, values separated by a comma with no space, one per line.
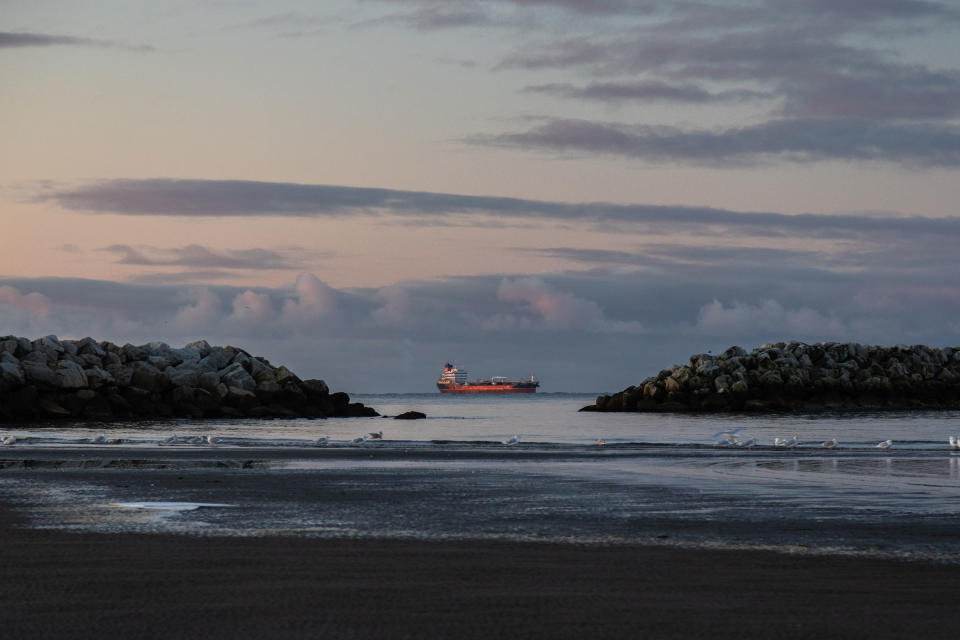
(798,376)
(11,376)
(146,376)
(38,373)
(70,375)
(410,415)
(84,379)
(236,376)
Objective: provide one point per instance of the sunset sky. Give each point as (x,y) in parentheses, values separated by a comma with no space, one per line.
(589,190)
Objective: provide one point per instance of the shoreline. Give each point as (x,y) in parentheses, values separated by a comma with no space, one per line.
(61,584)
(387,542)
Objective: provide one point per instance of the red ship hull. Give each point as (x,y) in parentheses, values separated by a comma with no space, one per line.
(486,388)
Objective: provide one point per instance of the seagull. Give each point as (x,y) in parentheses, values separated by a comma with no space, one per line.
(512,440)
(954,442)
(748,444)
(323,441)
(376,436)
(779,442)
(600,442)
(792,442)
(886,444)
(9,440)
(359,440)
(212,440)
(829,444)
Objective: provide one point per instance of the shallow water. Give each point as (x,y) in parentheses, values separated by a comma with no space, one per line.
(657,479)
(537,418)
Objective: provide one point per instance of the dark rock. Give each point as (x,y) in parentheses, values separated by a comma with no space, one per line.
(799,377)
(410,415)
(48,378)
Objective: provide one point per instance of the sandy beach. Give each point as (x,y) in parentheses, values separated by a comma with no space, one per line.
(137,579)
(69,585)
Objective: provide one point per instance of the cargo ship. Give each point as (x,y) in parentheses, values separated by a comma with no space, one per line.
(454,380)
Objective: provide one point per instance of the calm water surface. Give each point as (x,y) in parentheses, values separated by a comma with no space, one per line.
(655,477)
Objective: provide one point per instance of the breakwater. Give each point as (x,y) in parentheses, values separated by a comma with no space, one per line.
(795,376)
(49,378)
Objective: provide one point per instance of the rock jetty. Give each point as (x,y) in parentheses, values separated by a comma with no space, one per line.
(49,378)
(794,376)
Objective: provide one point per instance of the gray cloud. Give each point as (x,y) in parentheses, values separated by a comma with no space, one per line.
(786,140)
(195,255)
(236,198)
(10,39)
(646,91)
(804,59)
(577,325)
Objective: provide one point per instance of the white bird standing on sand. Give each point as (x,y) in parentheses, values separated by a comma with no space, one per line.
(954,442)
(376,435)
(10,440)
(886,444)
(829,444)
(512,440)
(212,440)
(779,442)
(359,440)
(792,442)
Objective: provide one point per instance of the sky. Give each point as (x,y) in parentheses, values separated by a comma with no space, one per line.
(586,190)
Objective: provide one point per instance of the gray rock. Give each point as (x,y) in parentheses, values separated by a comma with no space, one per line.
(90,360)
(200,346)
(236,376)
(11,376)
(89,346)
(120,373)
(184,377)
(146,376)
(208,380)
(70,375)
(98,377)
(38,373)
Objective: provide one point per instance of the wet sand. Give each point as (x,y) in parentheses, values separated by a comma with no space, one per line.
(76,585)
(57,583)
(85,585)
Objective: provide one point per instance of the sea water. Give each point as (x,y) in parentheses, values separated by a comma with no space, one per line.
(570,475)
(544,418)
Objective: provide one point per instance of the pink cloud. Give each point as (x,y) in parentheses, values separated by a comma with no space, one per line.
(35,304)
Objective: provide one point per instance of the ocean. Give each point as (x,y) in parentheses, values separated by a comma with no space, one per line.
(585,478)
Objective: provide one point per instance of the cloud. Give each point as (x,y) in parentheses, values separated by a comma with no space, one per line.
(234,198)
(313,300)
(784,140)
(253,309)
(582,329)
(34,304)
(767,318)
(557,310)
(10,39)
(195,255)
(201,311)
(797,51)
(650,90)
